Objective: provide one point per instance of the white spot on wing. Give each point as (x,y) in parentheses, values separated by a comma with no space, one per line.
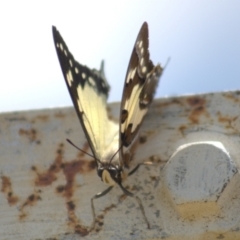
(69,77)
(91,80)
(84,75)
(140,44)
(131,74)
(76,70)
(70,62)
(144,69)
(61,46)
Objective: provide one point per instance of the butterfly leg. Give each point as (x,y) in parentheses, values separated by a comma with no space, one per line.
(136,168)
(138,200)
(136,197)
(98,195)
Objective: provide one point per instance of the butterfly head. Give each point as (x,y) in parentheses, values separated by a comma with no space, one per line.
(110,174)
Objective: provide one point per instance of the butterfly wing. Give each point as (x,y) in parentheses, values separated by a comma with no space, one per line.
(89,92)
(140,84)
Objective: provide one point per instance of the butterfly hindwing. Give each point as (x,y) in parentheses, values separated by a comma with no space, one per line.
(89,92)
(140,83)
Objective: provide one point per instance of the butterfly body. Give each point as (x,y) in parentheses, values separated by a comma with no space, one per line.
(111,143)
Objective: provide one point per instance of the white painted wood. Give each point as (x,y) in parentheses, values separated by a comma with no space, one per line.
(192,191)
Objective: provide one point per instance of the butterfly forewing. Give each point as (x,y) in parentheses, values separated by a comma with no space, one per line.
(141,81)
(89,92)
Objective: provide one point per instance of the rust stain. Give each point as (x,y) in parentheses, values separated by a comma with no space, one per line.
(142,139)
(31,134)
(181,129)
(48,177)
(60,189)
(70,169)
(59,115)
(43,118)
(173,101)
(74,222)
(8,192)
(100,218)
(122,197)
(196,101)
(198,109)
(45,178)
(154,178)
(70,206)
(30,201)
(81,230)
(226,120)
(232,96)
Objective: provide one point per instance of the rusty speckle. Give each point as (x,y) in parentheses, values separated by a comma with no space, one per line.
(173,101)
(198,108)
(226,120)
(122,197)
(100,218)
(30,201)
(70,206)
(31,198)
(31,134)
(81,230)
(195,101)
(46,178)
(12,200)
(182,128)
(59,115)
(231,96)
(60,189)
(70,170)
(100,224)
(34,168)
(6,183)
(92,165)
(153,178)
(43,118)
(107,209)
(22,216)
(7,190)
(142,139)
(59,151)
(53,167)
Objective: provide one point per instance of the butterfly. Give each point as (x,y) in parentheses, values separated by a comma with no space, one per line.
(110,142)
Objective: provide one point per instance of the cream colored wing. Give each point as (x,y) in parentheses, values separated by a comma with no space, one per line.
(89,91)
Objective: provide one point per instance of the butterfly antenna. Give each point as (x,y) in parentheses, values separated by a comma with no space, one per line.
(80,149)
(168,60)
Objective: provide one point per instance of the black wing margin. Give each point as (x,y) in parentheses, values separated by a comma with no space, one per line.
(141,80)
(89,90)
